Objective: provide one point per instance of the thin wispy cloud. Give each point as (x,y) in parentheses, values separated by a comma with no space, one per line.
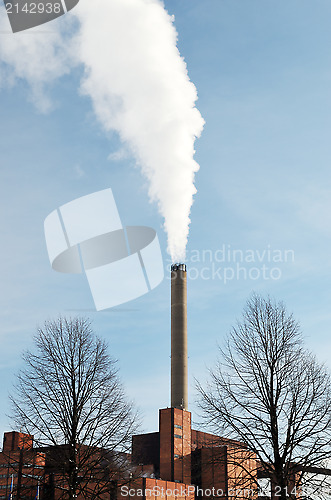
(119,155)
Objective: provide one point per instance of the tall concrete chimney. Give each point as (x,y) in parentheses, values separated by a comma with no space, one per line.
(179,396)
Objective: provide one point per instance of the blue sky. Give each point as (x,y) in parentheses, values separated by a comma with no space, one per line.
(263,75)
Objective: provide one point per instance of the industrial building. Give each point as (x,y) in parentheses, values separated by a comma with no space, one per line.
(174,463)
(188,463)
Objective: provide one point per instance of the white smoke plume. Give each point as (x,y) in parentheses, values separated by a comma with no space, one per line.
(38,56)
(139,86)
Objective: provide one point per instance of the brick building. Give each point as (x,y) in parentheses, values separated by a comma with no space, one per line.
(22,468)
(175,463)
(194,463)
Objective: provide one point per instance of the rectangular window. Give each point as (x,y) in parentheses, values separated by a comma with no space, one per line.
(178,436)
(178,426)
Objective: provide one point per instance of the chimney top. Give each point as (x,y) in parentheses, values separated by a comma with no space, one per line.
(178,267)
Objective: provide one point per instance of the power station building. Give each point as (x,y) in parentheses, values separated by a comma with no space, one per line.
(188,463)
(175,463)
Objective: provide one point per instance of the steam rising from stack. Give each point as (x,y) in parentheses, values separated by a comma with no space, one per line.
(139,87)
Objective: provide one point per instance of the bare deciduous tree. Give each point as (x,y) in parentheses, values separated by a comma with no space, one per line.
(269,392)
(70,398)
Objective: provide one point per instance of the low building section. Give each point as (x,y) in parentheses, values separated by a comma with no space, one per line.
(175,463)
(22,468)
